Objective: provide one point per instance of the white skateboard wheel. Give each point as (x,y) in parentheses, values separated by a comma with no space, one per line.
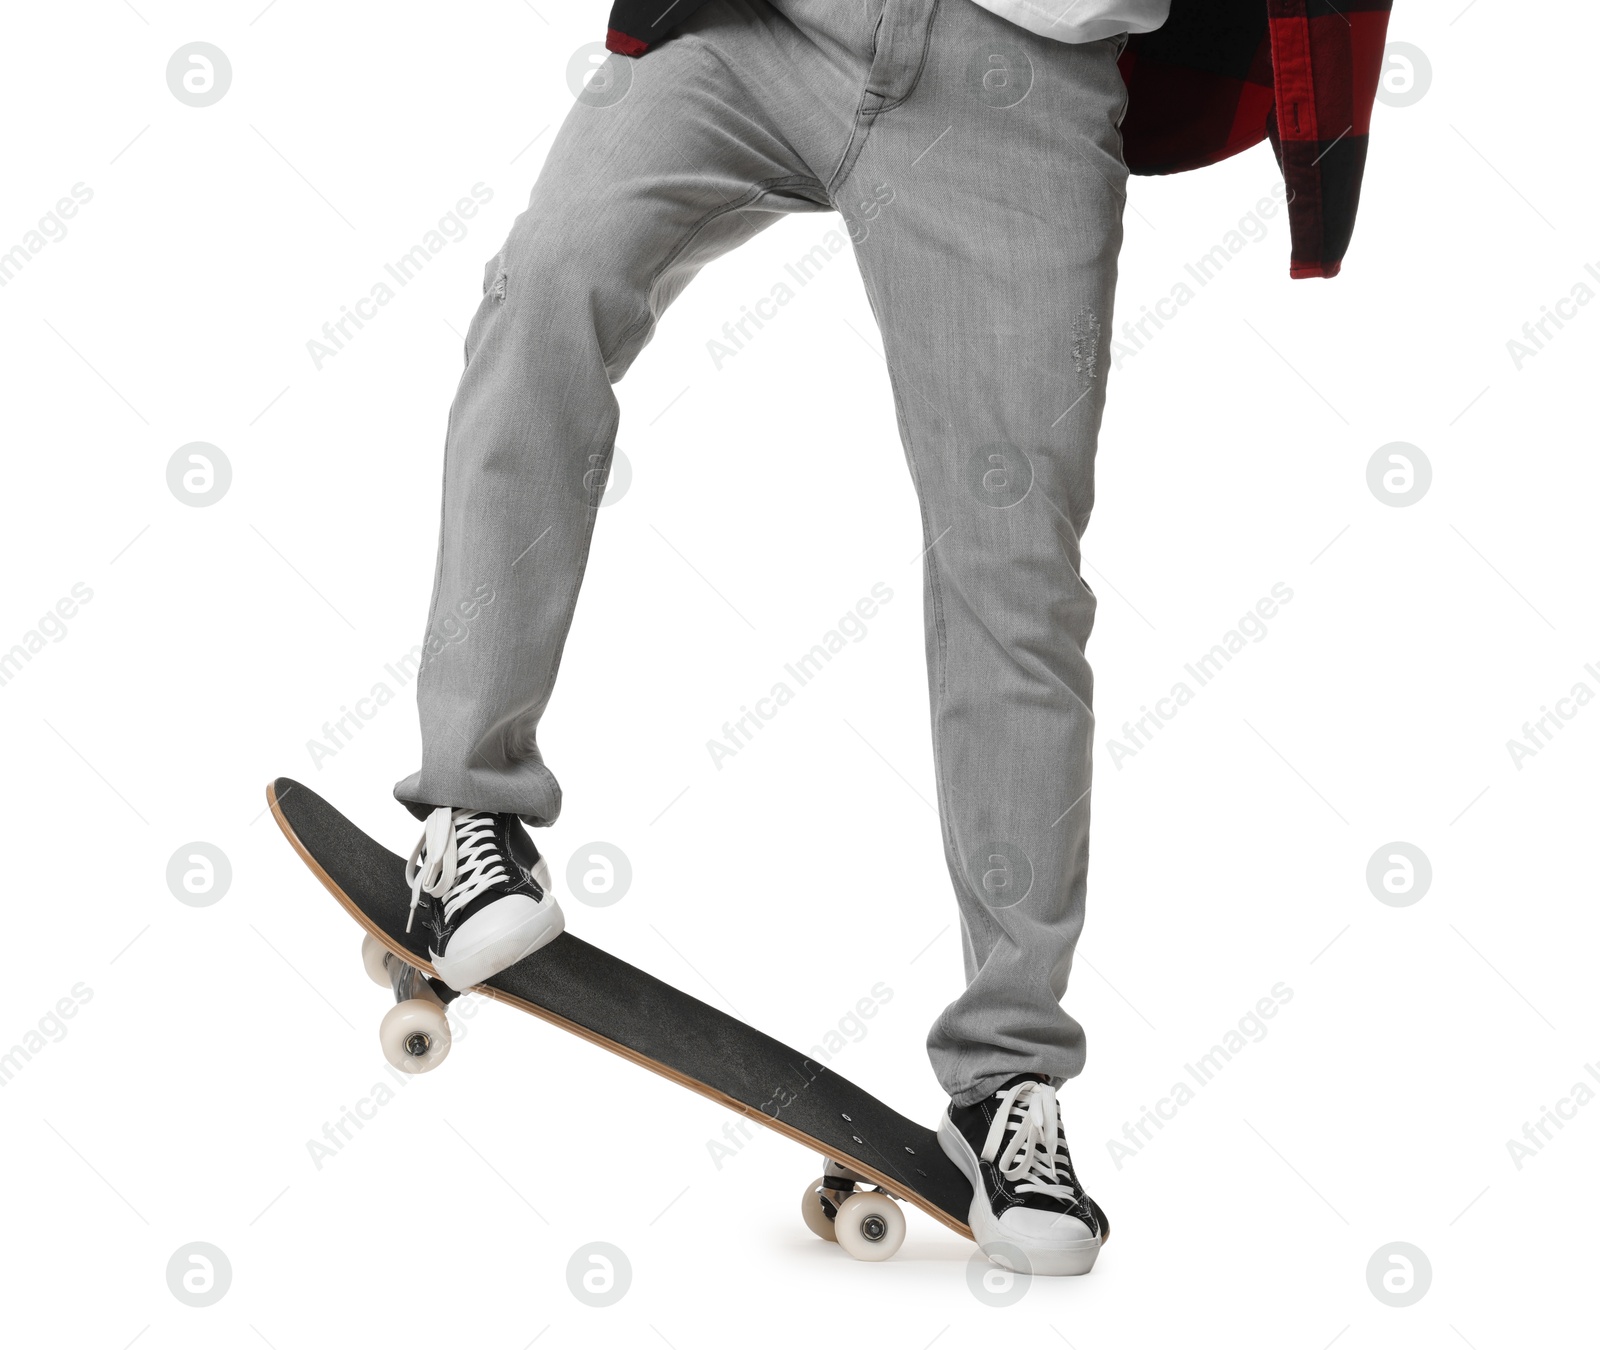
(816,1217)
(415,1035)
(373,953)
(870,1226)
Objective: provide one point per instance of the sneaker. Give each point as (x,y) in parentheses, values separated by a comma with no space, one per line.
(483,892)
(1028,1211)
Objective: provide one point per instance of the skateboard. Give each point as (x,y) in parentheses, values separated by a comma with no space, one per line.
(873,1157)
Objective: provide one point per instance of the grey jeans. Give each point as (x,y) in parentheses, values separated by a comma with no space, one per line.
(979,169)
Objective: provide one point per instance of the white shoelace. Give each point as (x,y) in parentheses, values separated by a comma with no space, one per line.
(1029,1110)
(454,861)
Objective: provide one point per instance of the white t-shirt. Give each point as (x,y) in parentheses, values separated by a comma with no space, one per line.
(1082,20)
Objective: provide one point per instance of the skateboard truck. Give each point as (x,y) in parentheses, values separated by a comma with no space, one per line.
(415,1033)
(845,1207)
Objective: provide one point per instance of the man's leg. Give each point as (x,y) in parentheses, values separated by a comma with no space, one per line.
(996,163)
(675,160)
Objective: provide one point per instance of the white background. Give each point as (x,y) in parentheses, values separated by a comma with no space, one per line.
(1229,856)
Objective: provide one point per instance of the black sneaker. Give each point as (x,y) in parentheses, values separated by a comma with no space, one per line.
(483,892)
(1028,1211)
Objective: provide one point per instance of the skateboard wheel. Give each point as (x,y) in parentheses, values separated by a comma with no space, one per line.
(415,1035)
(814,1214)
(870,1226)
(373,954)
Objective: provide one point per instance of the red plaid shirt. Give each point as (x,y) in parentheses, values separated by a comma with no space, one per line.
(1220,76)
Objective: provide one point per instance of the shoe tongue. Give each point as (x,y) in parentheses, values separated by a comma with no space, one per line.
(1033,1199)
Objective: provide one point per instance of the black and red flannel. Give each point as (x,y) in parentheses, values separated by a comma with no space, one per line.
(1220,76)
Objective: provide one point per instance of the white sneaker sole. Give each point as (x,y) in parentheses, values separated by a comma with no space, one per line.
(1075,1256)
(491,947)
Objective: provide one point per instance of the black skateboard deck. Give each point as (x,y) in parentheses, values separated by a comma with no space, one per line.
(581,989)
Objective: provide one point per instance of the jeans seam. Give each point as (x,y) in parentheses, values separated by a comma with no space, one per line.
(756,191)
(942,649)
(860,126)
